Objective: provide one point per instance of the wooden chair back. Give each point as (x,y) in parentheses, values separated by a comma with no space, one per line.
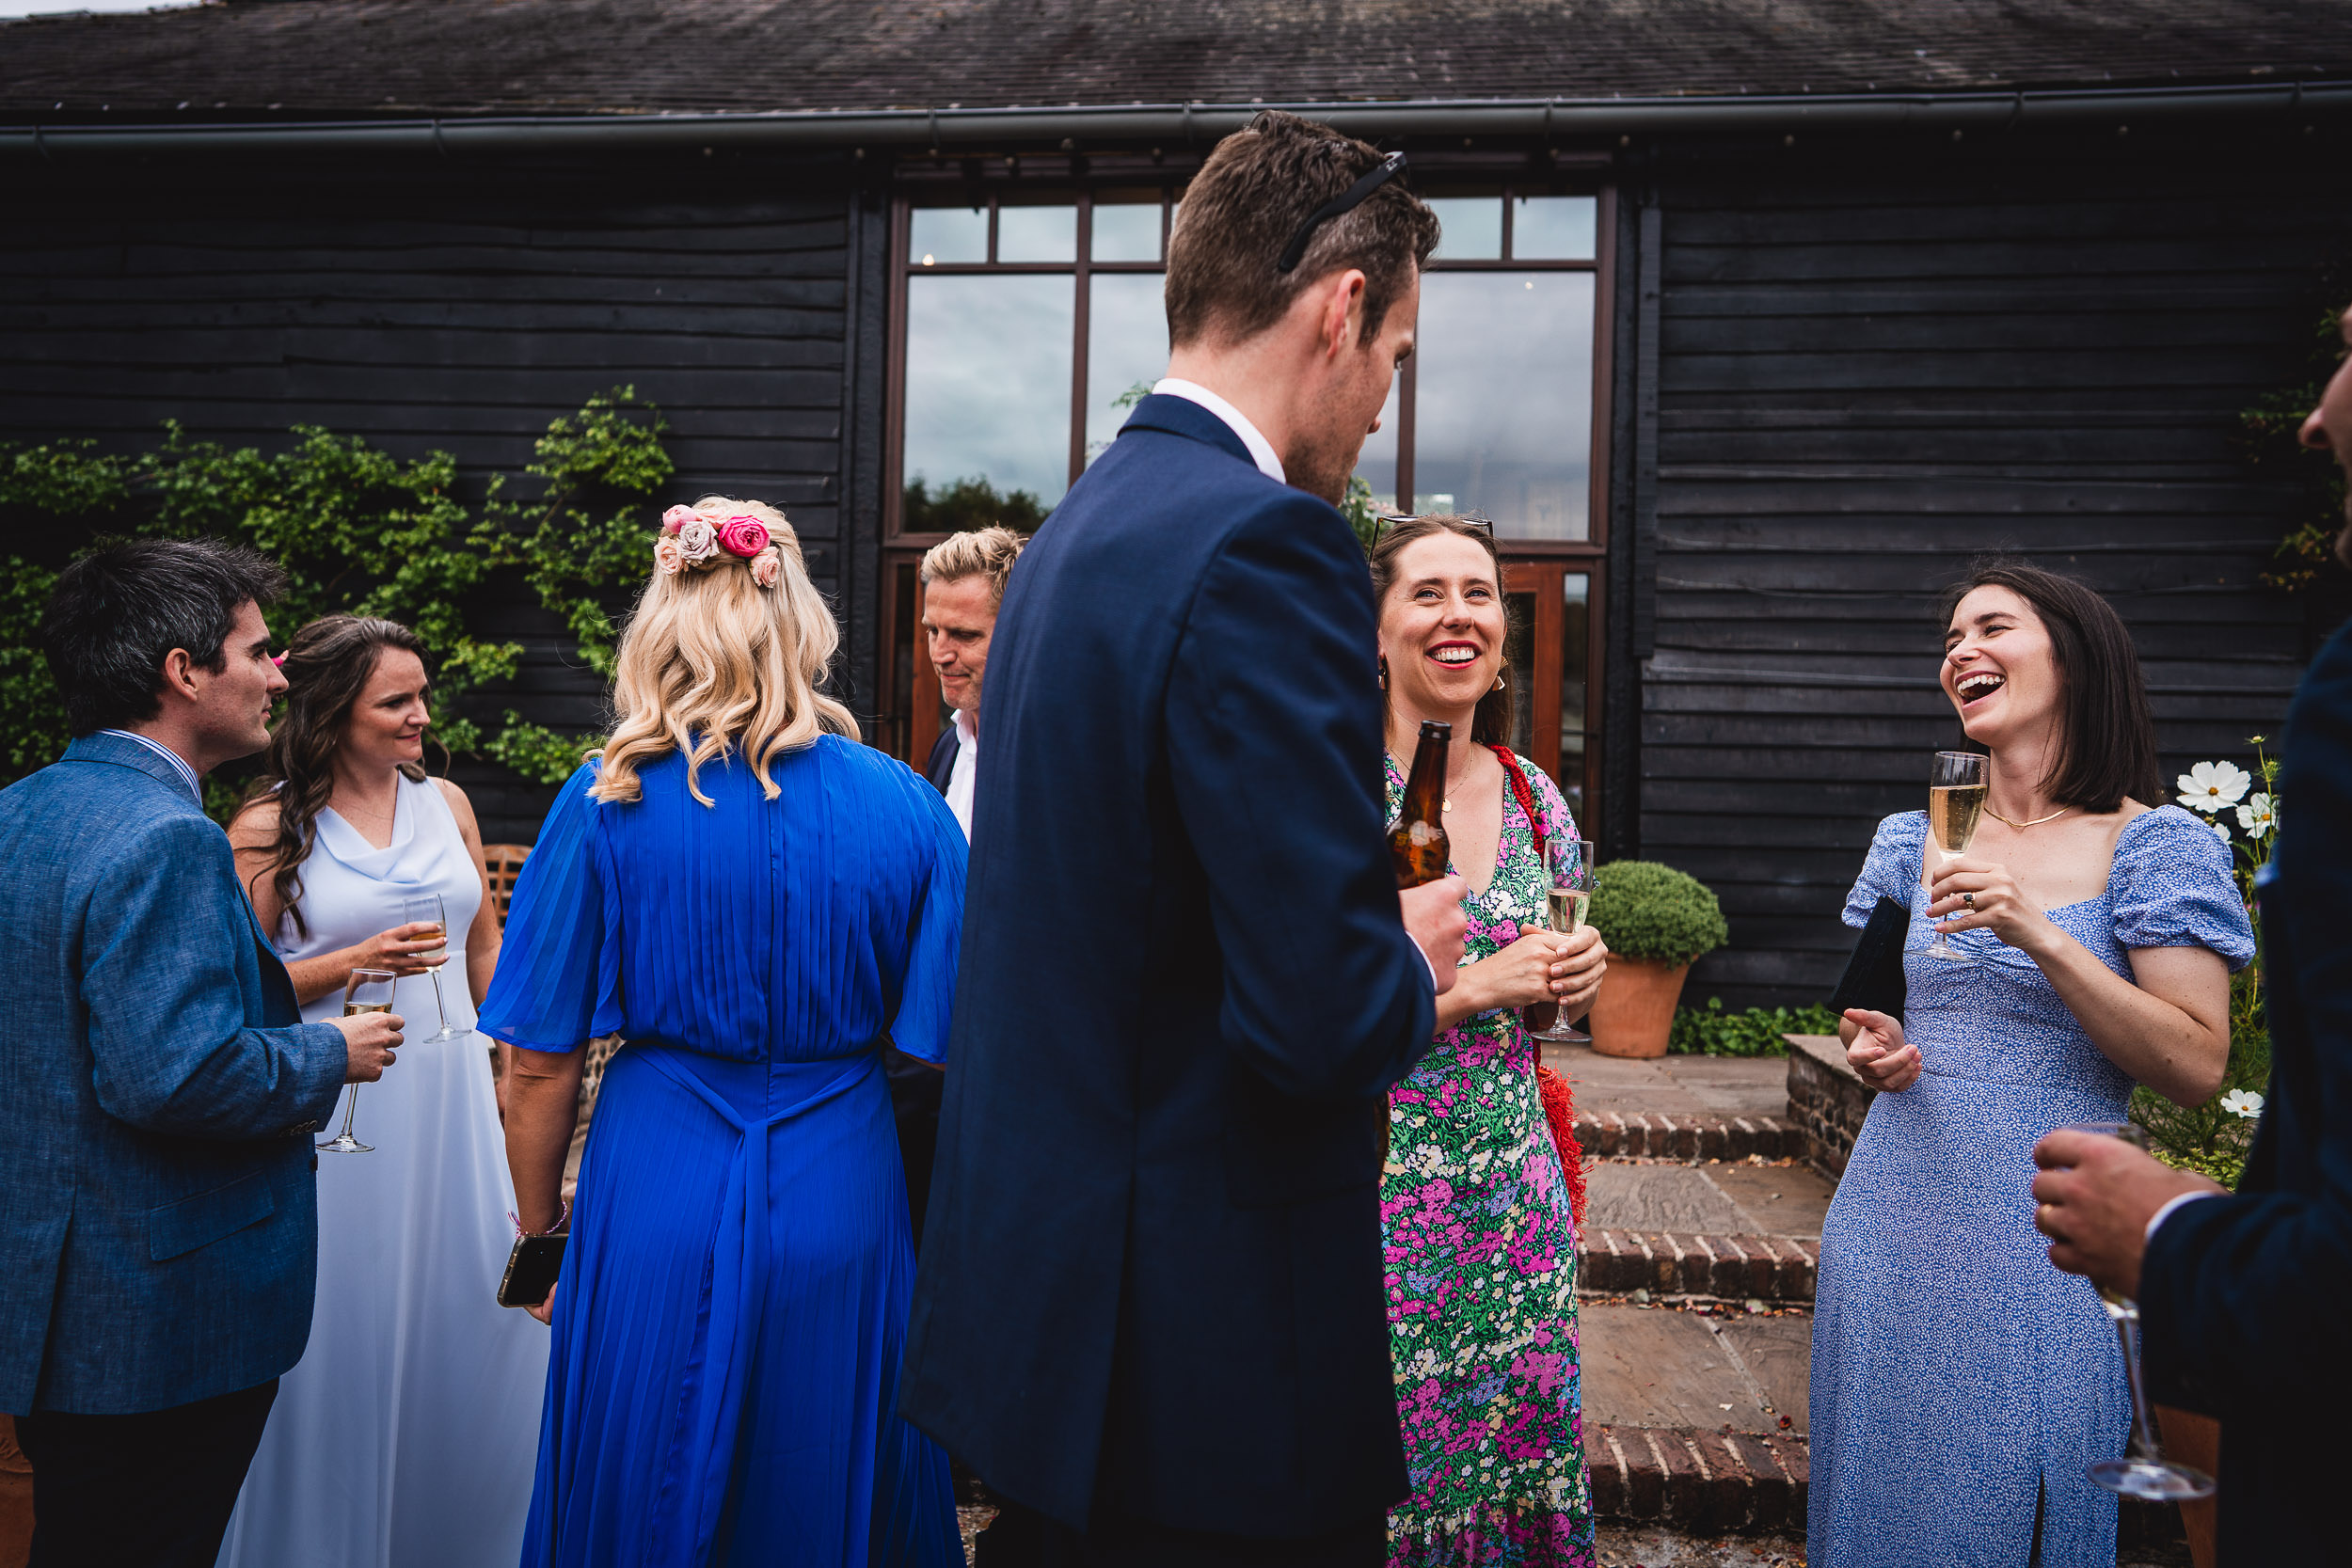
(504,863)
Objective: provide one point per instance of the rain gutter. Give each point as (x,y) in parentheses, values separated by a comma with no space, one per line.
(1195,124)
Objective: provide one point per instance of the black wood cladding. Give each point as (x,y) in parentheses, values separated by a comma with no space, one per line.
(459,308)
(1874,368)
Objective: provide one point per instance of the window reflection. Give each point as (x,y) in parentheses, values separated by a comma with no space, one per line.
(1126,346)
(1471,228)
(988,383)
(1575,676)
(1377,466)
(937,236)
(1503,413)
(1518,657)
(1553,229)
(1037,233)
(1126,232)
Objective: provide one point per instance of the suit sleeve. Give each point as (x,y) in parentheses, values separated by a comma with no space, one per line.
(172,1049)
(934,936)
(1274,748)
(2233,1289)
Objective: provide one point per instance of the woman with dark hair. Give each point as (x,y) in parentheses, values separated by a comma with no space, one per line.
(1475,1201)
(405,1434)
(2097,933)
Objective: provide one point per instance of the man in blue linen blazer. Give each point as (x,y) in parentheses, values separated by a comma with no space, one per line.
(2238,1295)
(156,1080)
(1150,1305)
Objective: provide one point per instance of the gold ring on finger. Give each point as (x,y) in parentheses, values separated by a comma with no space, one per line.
(1969,899)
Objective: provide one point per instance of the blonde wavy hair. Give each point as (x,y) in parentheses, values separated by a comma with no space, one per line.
(712,663)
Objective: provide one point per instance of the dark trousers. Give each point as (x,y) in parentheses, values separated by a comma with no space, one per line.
(153,1490)
(1023,1538)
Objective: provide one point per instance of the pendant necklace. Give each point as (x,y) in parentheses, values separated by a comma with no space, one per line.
(2022,826)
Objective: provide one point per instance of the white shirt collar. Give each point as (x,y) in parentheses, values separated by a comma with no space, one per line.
(186,772)
(967,729)
(1261,449)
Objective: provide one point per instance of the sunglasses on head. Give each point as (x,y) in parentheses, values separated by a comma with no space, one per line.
(1346,201)
(1472,519)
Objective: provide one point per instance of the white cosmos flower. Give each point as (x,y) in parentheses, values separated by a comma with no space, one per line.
(2244,1102)
(2220,831)
(2259,816)
(2210,785)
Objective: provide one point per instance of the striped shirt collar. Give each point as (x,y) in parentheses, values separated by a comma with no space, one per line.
(186,773)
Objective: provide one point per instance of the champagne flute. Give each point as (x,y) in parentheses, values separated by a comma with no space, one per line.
(426,909)
(2143,1472)
(1568,893)
(370,990)
(1956,792)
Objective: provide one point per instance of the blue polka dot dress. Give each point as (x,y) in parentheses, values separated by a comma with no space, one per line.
(1956,1374)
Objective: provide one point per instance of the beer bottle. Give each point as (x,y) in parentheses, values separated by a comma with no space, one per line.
(1417,844)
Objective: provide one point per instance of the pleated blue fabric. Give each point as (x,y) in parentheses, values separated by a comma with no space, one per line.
(733,1307)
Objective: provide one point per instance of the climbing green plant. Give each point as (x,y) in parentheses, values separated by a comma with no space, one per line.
(358,529)
(2267,439)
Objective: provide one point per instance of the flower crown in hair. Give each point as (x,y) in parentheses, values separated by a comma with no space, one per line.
(690,538)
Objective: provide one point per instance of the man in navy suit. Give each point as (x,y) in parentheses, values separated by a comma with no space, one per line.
(961,586)
(158,1230)
(1150,1313)
(2238,1294)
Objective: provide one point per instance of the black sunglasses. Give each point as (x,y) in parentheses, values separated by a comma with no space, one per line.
(1381,526)
(1346,201)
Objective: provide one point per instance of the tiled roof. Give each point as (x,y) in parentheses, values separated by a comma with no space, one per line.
(348,58)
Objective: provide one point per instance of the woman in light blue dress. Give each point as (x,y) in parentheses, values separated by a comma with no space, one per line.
(757,902)
(1960,1384)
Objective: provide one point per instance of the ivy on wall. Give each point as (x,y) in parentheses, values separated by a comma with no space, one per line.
(360,530)
(2268,440)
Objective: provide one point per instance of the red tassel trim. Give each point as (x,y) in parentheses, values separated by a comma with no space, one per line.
(1560,1111)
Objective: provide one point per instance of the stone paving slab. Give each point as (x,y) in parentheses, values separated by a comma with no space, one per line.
(1660,1366)
(1715,1086)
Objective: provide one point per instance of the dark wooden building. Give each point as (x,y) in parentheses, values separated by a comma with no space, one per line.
(1754,321)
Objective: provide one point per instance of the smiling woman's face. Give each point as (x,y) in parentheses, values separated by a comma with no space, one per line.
(1998,668)
(1442,624)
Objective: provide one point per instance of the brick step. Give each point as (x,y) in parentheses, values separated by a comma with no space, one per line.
(1731,1268)
(1650,1135)
(1708,1482)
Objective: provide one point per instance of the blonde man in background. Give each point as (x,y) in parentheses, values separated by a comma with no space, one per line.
(962,583)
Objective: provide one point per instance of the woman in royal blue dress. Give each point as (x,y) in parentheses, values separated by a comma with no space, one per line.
(755,901)
(1961,1385)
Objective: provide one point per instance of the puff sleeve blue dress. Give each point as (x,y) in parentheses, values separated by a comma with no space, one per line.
(1959,1380)
(730,1324)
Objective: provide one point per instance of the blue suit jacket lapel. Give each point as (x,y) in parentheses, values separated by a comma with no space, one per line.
(1183,416)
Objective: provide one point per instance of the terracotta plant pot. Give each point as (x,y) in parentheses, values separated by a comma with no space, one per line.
(1634,1012)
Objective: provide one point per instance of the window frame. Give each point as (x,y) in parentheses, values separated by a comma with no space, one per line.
(1529,564)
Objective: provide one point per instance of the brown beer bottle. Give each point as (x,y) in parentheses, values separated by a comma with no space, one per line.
(1417,845)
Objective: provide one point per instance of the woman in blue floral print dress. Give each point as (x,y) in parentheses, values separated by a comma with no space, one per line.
(1475,1201)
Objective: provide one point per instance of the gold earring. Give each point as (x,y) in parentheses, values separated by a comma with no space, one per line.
(1384,671)
(1497,680)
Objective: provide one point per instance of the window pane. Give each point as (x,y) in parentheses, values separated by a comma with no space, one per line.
(1127,231)
(1575,677)
(1504,408)
(1037,233)
(1472,227)
(1126,346)
(936,235)
(1552,228)
(1377,466)
(987,386)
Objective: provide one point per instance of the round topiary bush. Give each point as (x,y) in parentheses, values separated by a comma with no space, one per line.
(1645,910)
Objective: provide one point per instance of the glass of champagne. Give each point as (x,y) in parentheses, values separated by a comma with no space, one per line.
(370,990)
(1956,791)
(2143,1471)
(425,908)
(1568,868)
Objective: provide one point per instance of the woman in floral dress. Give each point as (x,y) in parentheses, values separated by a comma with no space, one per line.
(1475,1201)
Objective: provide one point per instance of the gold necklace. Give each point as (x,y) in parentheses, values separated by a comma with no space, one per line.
(2035,823)
(1446,799)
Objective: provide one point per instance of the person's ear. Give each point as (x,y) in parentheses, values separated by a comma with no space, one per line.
(1342,312)
(177,675)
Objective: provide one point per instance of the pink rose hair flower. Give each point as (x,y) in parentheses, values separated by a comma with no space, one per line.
(697,539)
(667,557)
(767,566)
(743,536)
(677,517)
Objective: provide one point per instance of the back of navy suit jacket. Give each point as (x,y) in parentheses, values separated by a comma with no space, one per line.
(1151,1271)
(2239,1295)
(158,1233)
